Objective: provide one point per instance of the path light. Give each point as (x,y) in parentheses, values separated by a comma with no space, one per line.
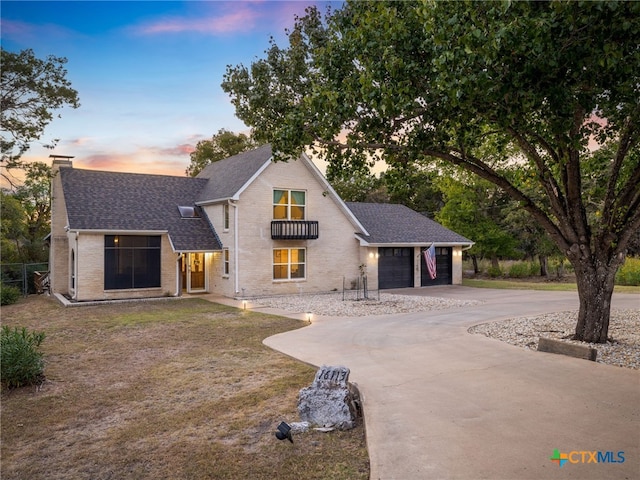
(309,317)
(284,431)
(244,304)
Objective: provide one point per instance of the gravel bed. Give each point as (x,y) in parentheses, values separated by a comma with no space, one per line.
(332,304)
(622,349)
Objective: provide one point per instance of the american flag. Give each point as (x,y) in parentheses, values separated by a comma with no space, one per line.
(430,260)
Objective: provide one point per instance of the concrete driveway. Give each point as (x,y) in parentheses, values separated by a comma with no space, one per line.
(441,403)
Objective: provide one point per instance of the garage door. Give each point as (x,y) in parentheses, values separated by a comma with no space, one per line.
(395,267)
(443,268)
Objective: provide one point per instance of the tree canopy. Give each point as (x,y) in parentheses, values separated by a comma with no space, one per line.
(31,90)
(412,81)
(222,145)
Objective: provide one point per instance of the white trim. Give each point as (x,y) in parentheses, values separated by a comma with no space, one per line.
(258,172)
(364,243)
(332,193)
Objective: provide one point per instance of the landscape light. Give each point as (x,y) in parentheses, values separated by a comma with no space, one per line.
(284,431)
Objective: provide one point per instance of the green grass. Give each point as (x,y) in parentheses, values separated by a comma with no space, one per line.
(525,285)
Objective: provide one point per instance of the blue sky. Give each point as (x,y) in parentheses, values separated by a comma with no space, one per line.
(148,73)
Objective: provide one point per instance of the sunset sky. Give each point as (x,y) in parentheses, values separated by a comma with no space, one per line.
(147,73)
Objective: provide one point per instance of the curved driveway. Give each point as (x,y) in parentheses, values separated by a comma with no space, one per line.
(441,403)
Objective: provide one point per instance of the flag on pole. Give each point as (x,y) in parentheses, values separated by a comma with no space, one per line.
(430,260)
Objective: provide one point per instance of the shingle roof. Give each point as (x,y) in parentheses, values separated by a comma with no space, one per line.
(226,177)
(396,224)
(98,200)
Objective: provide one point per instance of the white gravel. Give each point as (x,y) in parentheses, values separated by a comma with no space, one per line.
(332,304)
(623,349)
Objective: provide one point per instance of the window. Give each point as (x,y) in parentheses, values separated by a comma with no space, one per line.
(73,270)
(131,261)
(225,215)
(289,263)
(188,212)
(225,254)
(289,205)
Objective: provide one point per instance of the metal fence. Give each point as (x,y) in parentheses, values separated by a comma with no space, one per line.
(27,277)
(358,289)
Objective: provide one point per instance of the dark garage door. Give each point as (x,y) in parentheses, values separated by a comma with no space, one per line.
(395,267)
(443,268)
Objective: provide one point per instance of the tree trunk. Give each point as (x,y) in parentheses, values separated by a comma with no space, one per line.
(595,280)
(474,260)
(543,266)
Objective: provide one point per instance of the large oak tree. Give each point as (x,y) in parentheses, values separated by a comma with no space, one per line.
(431,79)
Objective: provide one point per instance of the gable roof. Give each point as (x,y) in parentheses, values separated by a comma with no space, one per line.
(391,224)
(227,178)
(114,201)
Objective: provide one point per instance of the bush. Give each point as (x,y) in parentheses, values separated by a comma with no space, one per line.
(494,272)
(20,361)
(519,270)
(534,269)
(629,272)
(8,294)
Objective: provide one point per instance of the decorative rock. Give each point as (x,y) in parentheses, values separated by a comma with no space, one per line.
(328,402)
(299,427)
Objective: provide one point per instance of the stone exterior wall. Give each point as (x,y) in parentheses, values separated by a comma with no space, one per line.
(334,255)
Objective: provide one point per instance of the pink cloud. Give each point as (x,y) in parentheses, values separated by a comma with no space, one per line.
(138,162)
(24,32)
(178,150)
(242,18)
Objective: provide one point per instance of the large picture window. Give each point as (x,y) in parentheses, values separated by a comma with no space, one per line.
(289,263)
(131,261)
(289,205)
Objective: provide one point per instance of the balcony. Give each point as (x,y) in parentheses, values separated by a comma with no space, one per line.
(294,230)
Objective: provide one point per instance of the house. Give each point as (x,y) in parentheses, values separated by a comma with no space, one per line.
(245,226)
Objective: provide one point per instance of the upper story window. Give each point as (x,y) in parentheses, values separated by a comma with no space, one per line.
(289,204)
(225,216)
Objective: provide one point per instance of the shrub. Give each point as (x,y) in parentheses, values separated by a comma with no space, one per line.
(494,272)
(629,272)
(534,269)
(8,294)
(519,270)
(21,362)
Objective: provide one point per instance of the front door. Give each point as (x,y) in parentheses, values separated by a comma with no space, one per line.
(193,272)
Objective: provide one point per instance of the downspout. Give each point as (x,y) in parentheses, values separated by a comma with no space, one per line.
(76,262)
(178,275)
(236,255)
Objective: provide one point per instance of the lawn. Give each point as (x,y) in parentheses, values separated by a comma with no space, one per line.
(180,389)
(530,284)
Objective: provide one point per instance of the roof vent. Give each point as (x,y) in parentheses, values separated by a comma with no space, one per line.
(189,212)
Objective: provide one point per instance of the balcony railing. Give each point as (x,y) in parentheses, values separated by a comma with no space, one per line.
(294,230)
